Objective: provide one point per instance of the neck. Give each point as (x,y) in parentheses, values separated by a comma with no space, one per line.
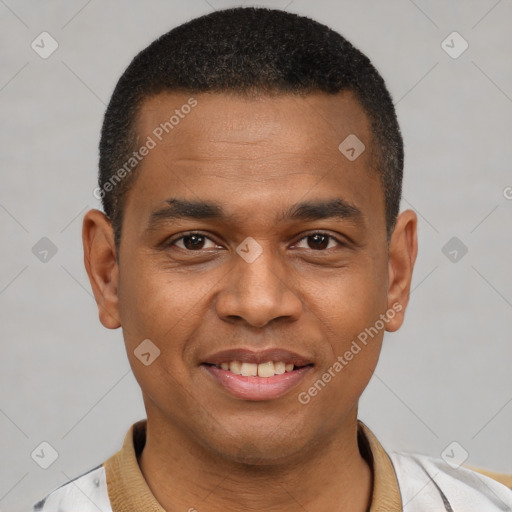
(182,475)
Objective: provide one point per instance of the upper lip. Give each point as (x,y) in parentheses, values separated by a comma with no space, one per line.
(260,356)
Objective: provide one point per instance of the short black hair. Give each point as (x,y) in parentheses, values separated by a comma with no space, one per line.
(247,50)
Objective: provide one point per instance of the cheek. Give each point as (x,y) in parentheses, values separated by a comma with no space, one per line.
(166,308)
(349,316)
(348,310)
(154,307)
(152,302)
(350,300)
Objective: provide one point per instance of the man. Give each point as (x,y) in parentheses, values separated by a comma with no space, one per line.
(253,253)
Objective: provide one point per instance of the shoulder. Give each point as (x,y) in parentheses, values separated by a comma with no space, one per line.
(430,484)
(87,493)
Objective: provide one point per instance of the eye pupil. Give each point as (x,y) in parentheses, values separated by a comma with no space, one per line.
(320,241)
(196,241)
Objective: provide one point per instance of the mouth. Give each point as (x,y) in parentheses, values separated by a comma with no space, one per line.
(257,376)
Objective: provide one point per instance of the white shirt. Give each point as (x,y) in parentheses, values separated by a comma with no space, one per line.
(426,485)
(423,484)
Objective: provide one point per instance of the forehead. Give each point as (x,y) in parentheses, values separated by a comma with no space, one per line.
(261,123)
(248,152)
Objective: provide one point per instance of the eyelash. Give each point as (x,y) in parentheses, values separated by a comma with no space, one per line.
(172,242)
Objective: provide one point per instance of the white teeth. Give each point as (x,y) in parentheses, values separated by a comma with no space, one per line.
(279,368)
(249,369)
(235,367)
(268,369)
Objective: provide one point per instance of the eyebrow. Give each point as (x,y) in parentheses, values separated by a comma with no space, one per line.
(180,209)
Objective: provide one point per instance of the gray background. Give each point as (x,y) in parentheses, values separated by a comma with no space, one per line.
(445,376)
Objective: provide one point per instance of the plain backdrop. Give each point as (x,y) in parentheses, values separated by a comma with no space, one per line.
(444,377)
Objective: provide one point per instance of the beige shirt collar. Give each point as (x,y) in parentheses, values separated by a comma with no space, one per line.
(128,490)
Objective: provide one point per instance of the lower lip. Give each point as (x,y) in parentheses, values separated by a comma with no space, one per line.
(257,388)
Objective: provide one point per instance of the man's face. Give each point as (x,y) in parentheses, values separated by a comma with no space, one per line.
(321,277)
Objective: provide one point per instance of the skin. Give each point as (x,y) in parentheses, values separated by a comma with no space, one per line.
(256,157)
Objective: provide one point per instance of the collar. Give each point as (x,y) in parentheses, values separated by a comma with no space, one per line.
(129,491)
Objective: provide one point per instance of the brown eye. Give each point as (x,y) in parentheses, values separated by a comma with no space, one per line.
(320,241)
(193,242)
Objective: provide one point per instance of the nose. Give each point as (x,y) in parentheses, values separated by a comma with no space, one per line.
(259,292)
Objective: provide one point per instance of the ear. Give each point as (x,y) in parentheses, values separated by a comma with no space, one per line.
(403,249)
(101,265)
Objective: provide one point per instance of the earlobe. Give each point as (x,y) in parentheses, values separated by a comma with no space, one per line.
(101,265)
(403,249)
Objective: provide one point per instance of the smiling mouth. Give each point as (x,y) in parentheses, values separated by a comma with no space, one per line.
(263,370)
(257,375)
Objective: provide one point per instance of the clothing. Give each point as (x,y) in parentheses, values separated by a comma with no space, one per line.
(401,482)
